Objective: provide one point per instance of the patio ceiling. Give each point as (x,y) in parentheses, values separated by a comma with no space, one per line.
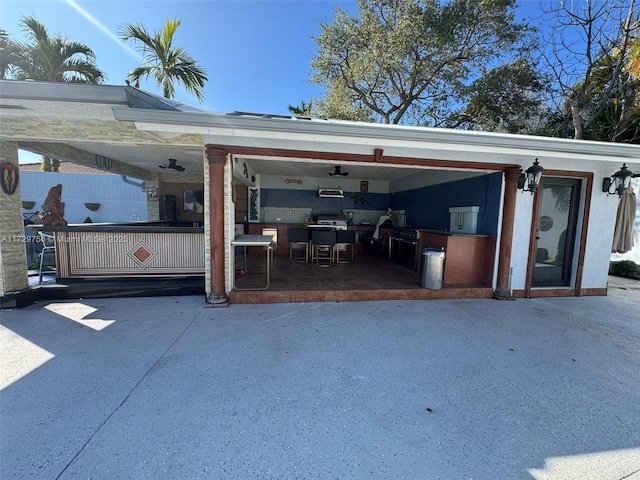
(296,168)
(149,157)
(143,157)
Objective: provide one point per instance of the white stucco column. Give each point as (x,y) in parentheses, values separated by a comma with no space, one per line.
(13,253)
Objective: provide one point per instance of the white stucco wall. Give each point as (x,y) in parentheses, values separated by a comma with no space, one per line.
(600,230)
(521,236)
(119,201)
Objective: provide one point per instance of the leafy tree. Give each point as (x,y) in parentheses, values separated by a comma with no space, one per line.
(634,58)
(510,98)
(166,63)
(49,164)
(302,110)
(413,61)
(51,58)
(590,55)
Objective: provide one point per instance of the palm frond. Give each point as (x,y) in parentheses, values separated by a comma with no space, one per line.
(167,64)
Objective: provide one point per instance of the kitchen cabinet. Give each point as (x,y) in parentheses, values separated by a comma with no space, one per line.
(281,240)
(469,259)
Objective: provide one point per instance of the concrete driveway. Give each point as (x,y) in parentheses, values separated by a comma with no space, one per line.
(165,388)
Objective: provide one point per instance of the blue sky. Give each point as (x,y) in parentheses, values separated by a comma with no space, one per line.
(256,52)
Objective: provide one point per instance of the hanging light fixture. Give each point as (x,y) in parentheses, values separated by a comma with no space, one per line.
(531,178)
(620,181)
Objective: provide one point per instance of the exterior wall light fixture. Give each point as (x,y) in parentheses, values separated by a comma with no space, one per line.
(619,180)
(529,181)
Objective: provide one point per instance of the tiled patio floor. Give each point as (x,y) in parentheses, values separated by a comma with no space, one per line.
(367,278)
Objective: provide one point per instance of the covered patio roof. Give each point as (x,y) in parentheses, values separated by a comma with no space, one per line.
(140,131)
(75,122)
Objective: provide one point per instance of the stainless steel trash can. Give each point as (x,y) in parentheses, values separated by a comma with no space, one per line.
(433,268)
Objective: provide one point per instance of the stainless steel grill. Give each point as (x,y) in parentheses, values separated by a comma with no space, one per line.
(337,222)
(405,247)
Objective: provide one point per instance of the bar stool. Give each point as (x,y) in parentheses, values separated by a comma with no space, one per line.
(299,240)
(322,245)
(345,240)
(48,246)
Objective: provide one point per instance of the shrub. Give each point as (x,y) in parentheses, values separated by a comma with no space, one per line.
(623,268)
(542,254)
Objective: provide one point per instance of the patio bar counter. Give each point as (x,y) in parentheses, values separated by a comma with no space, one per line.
(139,249)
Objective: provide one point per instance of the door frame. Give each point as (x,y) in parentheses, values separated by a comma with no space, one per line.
(576,290)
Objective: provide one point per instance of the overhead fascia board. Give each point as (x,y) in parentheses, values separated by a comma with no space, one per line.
(62,92)
(232,127)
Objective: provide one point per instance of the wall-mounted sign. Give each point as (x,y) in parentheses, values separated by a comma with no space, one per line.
(244,173)
(103,163)
(254,205)
(10,174)
(152,192)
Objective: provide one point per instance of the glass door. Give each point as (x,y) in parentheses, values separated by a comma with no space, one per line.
(556,232)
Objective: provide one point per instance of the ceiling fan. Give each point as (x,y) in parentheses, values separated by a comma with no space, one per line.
(338,172)
(173,165)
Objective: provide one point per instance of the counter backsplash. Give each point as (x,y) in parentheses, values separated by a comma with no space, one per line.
(285,215)
(299,215)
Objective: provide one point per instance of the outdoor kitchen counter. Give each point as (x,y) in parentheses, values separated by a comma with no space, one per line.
(136,249)
(447,232)
(281,242)
(469,258)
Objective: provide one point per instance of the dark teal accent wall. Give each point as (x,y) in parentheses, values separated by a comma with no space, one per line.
(281,197)
(428,207)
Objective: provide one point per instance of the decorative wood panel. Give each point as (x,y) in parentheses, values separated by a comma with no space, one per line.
(468,260)
(177,189)
(129,254)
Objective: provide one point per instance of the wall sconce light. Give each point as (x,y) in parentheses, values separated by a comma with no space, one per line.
(531,178)
(620,181)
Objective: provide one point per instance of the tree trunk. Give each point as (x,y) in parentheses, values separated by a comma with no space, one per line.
(577,121)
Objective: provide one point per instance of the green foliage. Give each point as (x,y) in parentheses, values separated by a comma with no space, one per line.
(623,268)
(413,61)
(596,93)
(49,164)
(302,110)
(542,254)
(50,59)
(8,55)
(163,61)
(508,98)
(634,58)
(562,245)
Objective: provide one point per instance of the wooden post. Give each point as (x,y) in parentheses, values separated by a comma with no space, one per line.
(511,176)
(217,158)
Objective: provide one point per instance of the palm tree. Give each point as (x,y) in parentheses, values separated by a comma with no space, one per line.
(302,110)
(8,51)
(166,63)
(53,59)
